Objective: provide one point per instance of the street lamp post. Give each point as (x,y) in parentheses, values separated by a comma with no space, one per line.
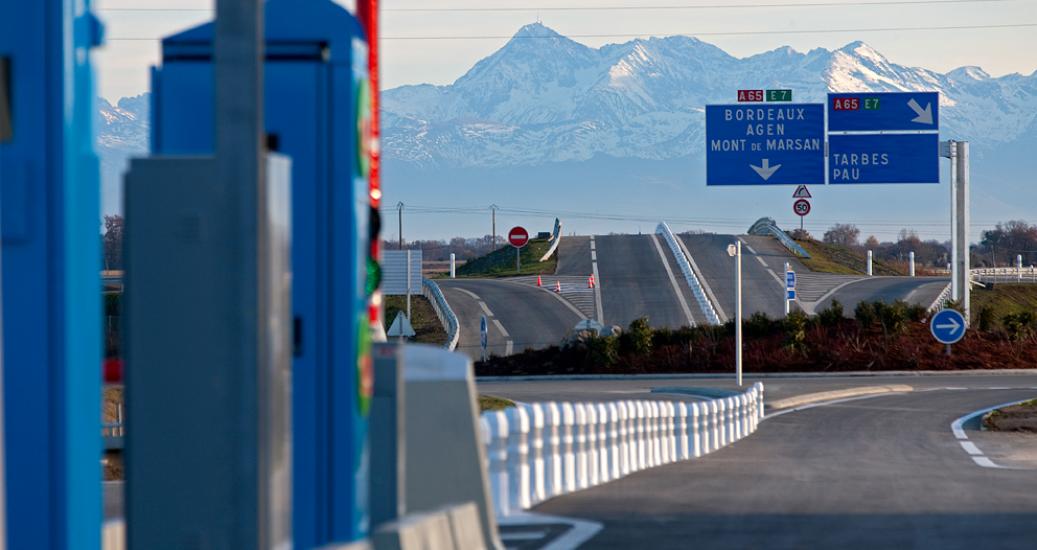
(735,250)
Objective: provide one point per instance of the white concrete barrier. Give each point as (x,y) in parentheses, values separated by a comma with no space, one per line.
(541,450)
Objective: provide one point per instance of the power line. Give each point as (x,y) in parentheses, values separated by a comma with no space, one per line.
(691,6)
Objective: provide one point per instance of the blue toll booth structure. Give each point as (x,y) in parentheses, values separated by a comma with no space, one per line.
(316,112)
(51,342)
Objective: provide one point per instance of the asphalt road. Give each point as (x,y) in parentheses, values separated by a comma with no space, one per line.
(518,316)
(762,274)
(884,472)
(916,290)
(635,283)
(595,388)
(574,256)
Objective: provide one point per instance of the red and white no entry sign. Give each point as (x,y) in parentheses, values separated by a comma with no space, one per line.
(518,236)
(801,207)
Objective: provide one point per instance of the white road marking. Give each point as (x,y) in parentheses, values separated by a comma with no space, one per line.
(970,448)
(760,259)
(471,294)
(673,281)
(775,275)
(523,535)
(580,530)
(597,284)
(747,246)
(500,327)
(485,309)
(957,428)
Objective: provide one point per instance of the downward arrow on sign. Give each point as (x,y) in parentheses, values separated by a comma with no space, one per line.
(925,116)
(765,171)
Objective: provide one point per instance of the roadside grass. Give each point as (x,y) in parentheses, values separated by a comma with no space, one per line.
(494,403)
(1021,417)
(501,262)
(843,260)
(990,305)
(426,324)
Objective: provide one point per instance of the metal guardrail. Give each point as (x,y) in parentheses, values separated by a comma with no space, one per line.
(941,300)
(768,227)
(537,451)
(689,274)
(556,237)
(431,290)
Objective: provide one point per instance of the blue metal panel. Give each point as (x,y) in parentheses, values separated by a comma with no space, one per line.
(51,282)
(864,111)
(310,87)
(765,144)
(883,158)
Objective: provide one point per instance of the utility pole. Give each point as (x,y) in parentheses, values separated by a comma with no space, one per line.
(493,217)
(399,217)
(736,251)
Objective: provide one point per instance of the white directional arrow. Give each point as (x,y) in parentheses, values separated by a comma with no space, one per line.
(765,171)
(951,324)
(925,116)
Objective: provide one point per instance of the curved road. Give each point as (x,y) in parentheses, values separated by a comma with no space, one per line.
(884,472)
(518,316)
(915,290)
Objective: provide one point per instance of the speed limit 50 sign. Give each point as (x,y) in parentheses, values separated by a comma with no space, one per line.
(801,207)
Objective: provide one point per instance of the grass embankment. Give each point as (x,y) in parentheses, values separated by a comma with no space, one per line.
(427,328)
(881,337)
(494,403)
(834,258)
(501,262)
(1017,418)
(1000,305)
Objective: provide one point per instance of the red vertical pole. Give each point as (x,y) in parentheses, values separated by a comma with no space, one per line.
(367,12)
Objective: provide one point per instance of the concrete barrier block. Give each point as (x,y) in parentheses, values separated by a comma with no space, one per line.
(538,492)
(424,531)
(465,528)
(553,449)
(518,459)
(568,447)
(681,411)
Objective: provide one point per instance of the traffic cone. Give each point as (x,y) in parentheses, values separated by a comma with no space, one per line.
(539,282)
(558,287)
(590,281)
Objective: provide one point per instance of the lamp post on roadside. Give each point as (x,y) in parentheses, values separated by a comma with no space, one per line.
(735,250)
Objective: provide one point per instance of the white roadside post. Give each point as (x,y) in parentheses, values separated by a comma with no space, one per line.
(736,251)
(911,259)
(869,263)
(453,265)
(1019,266)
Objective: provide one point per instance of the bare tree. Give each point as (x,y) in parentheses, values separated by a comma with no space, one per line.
(112,242)
(843,234)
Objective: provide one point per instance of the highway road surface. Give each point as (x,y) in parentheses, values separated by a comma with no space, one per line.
(763,273)
(518,316)
(882,472)
(916,290)
(639,277)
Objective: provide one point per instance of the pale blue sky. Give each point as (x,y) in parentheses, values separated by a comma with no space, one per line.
(124,63)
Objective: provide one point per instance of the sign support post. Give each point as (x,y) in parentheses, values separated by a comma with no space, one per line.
(958,153)
(736,251)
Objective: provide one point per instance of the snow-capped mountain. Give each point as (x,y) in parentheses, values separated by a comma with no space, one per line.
(544,98)
(122,132)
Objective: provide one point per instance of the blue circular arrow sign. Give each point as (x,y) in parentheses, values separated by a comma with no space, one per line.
(947,326)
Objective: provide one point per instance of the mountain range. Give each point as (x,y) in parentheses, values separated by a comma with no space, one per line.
(548,124)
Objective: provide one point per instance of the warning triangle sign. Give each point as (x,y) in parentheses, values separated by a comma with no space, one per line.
(400,326)
(801,193)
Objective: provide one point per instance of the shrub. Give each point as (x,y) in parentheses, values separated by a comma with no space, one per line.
(795,326)
(757,325)
(985,319)
(832,315)
(865,314)
(637,340)
(1020,326)
(601,351)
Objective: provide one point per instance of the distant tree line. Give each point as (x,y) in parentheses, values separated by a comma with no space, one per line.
(440,250)
(997,247)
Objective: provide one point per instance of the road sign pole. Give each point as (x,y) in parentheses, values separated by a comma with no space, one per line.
(738,312)
(408,285)
(962,231)
(788,303)
(518,260)
(949,150)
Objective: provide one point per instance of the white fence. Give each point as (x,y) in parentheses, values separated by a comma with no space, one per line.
(1005,275)
(541,450)
(689,274)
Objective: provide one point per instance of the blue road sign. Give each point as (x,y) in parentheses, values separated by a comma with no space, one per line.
(947,326)
(790,279)
(883,158)
(863,111)
(765,144)
(790,293)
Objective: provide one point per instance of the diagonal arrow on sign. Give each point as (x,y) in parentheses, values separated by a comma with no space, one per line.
(925,116)
(765,171)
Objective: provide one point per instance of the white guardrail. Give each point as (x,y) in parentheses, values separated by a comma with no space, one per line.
(689,274)
(432,292)
(537,451)
(556,237)
(1005,274)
